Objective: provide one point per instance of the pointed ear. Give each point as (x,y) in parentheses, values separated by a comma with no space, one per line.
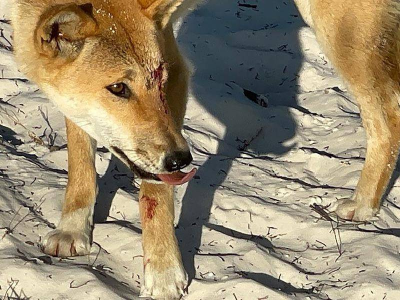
(62,30)
(160,10)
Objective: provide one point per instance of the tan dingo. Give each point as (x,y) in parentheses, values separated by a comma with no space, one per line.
(114,69)
(362,39)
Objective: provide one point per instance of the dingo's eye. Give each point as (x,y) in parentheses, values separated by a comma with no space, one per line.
(120,89)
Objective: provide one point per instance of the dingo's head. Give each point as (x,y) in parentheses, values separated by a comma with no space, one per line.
(105,65)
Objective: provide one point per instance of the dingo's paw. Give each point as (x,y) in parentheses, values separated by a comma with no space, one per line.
(169,284)
(349,210)
(64,244)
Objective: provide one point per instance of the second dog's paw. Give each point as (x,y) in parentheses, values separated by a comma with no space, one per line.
(349,210)
(64,244)
(346,209)
(169,284)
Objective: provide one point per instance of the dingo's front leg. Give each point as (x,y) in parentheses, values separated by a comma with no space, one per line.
(73,235)
(164,275)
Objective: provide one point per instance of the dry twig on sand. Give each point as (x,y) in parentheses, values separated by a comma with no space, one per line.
(38,140)
(8,46)
(321,210)
(247,143)
(11,292)
(10,229)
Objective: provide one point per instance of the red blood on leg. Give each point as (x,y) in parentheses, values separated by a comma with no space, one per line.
(150,205)
(145,263)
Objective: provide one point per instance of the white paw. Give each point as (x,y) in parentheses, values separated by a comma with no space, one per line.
(72,236)
(351,210)
(364,213)
(169,284)
(64,244)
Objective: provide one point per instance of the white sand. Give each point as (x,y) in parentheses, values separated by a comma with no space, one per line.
(246,227)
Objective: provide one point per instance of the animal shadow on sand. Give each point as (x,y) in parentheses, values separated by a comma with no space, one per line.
(235,49)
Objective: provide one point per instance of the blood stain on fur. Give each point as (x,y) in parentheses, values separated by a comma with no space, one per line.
(146,262)
(150,205)
(158,77)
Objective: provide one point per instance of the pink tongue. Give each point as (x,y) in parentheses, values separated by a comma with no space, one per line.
(177,178)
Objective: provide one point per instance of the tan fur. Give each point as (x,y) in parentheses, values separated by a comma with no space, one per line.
(81,188)
(75,49)
(157,214)
(361,38)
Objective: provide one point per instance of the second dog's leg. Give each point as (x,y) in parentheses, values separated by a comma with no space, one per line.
(73,235)
(381,119)
(164,275)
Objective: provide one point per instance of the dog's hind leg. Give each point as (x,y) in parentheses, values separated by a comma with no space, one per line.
(361,39)
(73,234)
(381,118)
(164,275)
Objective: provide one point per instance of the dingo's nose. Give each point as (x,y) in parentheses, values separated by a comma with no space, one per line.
(177,160)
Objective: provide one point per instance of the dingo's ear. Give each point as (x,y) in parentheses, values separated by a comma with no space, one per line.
(62,30)
(160,10)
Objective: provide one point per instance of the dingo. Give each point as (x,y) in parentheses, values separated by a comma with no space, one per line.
(114,69)
(362,39)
